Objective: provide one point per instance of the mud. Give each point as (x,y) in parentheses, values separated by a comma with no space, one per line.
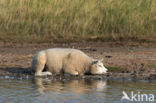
(132,60)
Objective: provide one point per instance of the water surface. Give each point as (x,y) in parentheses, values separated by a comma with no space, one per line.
(70,91)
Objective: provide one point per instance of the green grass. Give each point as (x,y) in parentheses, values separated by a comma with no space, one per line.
(75,20)
(152,66)
(115,69)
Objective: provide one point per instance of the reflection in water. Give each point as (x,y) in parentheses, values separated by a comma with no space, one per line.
(82,91)
(73,90)
(77,86)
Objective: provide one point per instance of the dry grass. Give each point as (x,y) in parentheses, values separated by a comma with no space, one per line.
(75,20)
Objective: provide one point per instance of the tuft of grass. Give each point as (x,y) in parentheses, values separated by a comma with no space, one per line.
(115,69)
(152,66)
(76,20)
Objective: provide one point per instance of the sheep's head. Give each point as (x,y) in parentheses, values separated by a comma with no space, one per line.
(97,67)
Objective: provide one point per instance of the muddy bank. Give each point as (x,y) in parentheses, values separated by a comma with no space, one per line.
(26,73)
(124,61)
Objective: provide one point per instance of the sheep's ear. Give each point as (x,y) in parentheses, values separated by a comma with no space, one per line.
(101,60)
(94,61)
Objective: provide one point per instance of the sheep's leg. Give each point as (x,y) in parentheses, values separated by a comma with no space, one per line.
(68,65)
(39,70)
(74,73)
(71,71)
(43,74)
(38,65)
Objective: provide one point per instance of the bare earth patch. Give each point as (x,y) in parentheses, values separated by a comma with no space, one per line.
(129,60)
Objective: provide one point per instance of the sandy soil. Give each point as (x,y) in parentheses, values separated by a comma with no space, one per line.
(136,60)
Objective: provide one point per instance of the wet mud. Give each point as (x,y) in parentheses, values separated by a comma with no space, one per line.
(130,61)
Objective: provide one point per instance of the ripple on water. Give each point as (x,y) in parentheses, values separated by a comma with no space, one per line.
(40,90)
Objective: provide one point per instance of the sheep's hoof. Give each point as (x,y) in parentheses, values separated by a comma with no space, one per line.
(44,74)
(76,73)
(47,73)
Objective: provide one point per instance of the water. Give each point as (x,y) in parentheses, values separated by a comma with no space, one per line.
(70,91)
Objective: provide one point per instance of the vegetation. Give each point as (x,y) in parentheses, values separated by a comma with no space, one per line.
(115,69)
(152,66)
(75,20)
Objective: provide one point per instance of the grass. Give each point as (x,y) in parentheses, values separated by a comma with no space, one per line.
(152,66)
(76,20)
(115,69)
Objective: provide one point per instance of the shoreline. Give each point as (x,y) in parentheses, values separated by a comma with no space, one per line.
(134,61)
(109,76)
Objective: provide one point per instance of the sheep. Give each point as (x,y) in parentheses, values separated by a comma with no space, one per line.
(65,60)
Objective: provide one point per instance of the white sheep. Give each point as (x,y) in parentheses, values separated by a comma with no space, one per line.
(65,60)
